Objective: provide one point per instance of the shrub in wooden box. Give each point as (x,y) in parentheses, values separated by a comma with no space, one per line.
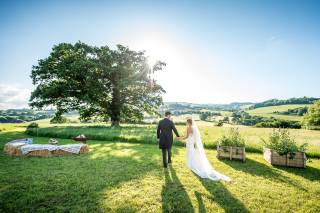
(230,152)
(297,159)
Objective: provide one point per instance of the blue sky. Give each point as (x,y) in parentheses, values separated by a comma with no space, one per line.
(216,51)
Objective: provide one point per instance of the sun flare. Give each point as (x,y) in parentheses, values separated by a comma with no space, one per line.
(157,50)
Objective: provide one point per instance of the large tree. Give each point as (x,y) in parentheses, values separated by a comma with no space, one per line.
(97,81)
(312,117)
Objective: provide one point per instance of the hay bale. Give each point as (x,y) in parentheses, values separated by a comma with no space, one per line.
(40,153)
(60,152)
(13,149)
(84,149)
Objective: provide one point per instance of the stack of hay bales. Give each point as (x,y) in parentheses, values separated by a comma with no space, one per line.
(59,152)
(40,153)
(14,148)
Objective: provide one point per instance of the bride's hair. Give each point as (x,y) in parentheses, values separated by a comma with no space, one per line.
(189,121)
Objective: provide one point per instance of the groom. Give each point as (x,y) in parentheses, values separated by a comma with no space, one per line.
(165,136)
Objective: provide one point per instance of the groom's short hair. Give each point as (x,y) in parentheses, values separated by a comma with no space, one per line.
(167,113)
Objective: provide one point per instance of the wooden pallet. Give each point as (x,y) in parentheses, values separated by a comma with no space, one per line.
(299,159)
(232,153)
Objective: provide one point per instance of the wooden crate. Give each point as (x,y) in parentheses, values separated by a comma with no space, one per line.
(297,160)
(232,153)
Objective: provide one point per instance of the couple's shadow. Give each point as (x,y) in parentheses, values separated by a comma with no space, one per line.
(174,195)
(176,199)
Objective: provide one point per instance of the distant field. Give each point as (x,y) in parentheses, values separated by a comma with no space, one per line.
(268,111)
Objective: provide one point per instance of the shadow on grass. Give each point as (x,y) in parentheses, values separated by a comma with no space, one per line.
(221,196)
(73,183)
(174,196)
(202,208)
(256,168)
(310,173)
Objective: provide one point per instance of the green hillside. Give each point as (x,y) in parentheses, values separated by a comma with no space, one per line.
(270,111)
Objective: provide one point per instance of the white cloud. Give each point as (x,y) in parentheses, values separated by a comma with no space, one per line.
(13,96)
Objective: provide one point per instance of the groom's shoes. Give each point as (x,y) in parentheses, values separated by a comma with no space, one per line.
(165,165)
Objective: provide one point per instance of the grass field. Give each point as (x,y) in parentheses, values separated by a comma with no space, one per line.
(119,176)
(146,134)
(126,177)
(268,111)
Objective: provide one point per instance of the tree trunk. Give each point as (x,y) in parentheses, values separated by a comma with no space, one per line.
(115,106)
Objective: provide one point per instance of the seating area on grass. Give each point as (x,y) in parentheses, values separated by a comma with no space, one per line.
(24,147)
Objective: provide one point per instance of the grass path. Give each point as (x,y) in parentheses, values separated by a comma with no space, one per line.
(125,177)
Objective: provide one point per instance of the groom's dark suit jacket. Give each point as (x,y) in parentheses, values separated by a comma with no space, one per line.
(164,133)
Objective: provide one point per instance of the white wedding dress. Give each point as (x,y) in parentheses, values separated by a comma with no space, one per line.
(197,160)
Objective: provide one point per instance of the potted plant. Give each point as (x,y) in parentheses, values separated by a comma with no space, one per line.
(281,149)
(232,146)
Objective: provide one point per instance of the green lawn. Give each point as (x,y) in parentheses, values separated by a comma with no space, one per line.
(146,134)
(127,177)
(268,111)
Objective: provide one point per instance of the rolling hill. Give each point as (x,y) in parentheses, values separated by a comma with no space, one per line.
(270,111)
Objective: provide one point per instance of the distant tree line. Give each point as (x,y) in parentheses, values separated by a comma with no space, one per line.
(246,119)
(277,102)
(205,116)
(297,111)
(186,107)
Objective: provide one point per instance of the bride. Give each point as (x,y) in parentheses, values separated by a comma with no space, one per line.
(196,157)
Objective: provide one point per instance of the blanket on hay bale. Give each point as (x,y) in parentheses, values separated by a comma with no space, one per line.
(44,150)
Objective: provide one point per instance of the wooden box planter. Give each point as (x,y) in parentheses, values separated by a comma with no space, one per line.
(229,152)
(297,160)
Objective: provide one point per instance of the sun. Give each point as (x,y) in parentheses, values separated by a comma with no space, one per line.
(157,50)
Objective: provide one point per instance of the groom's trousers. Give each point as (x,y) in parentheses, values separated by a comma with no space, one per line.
(166,156)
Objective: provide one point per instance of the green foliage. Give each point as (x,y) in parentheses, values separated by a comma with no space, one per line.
(58,119)
(220,123)
(233,138)
(97,81)
(276,102)
(312,117)
(245,118)
(205,116)
(33,125)
(297,111)
(281,142)
(276,123)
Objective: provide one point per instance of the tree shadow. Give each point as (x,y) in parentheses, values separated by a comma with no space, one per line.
(73,183)
(174,196)
(310,173)
(202,208)
(222,196)
(256,168)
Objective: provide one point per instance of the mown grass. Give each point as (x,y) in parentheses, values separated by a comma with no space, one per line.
(269,111)
(128,177)
(147,134)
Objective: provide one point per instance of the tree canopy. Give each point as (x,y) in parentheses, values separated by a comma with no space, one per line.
(312,117)
(97,81)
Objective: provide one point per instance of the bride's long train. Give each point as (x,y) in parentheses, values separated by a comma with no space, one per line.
(197,160)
